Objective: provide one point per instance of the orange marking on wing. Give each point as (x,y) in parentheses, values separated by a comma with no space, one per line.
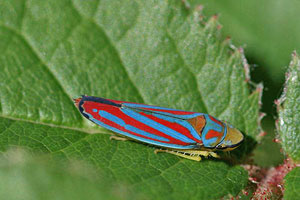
(198,123)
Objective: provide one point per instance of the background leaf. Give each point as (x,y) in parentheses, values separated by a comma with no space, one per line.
(291,185)
(288,108)
(288,125)
(154,52)
(269,31)
(35,177)
(258,27)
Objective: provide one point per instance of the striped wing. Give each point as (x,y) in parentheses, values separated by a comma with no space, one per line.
(150,124)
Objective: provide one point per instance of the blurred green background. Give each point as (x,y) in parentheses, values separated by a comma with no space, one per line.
(269,32)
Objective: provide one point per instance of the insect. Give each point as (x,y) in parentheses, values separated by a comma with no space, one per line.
(183,133)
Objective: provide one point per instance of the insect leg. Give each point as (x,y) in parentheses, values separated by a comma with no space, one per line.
(114,137)
(196,158)
(213,154)
(202,153)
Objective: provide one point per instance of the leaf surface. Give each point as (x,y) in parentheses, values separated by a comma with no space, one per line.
(154,52)
(289,111)
(292,184)
(39,177)
(258,25)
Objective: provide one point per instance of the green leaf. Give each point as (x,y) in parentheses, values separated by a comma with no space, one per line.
(257,24)
(154,52)
(156,176)
(292,184)
(288,109)
(38,178)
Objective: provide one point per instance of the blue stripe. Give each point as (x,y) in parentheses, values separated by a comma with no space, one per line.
(141,132)
(209,142)
(211,125)
(174,146)
(225,133)
(185,124)
(130,105)
(119,121)
(177,116)
(188,116)
(112,118)
(153,124)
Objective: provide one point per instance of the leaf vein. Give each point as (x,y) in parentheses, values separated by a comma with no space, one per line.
(190,72)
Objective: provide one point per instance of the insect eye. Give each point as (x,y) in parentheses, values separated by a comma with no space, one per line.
(221,146)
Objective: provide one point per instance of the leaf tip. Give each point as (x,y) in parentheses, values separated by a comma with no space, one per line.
(259,88)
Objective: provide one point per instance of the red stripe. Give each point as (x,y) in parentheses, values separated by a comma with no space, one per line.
(89,106)
(217,121)
(212,134)
(176,127)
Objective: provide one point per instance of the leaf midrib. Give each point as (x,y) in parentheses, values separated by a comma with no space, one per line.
(84,130)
